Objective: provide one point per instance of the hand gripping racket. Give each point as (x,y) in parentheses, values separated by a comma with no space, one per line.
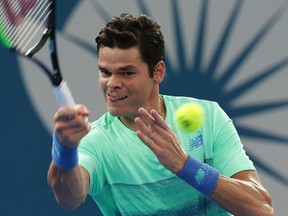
(25,26)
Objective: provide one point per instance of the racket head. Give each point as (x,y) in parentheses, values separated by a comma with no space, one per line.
(25,26)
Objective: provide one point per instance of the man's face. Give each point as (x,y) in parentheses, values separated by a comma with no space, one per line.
(125,81)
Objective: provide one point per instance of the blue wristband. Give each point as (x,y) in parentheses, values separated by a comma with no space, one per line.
(64,157)
(199,175)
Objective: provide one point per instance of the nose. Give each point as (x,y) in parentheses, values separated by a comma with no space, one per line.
(114,82)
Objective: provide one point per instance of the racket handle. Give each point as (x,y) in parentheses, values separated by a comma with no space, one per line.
(63,94)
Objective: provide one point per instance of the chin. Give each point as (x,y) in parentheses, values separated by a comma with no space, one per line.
(115,111)
(119,113)
(114,114)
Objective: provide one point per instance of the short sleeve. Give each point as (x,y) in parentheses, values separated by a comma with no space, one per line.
(90,159)
(229,155)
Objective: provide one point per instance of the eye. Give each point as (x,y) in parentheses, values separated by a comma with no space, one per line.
(128,73)
(104,72)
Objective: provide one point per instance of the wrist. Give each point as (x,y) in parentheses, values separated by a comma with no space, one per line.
(64,157)
(199,175)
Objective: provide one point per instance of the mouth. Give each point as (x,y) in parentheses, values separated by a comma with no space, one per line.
(115,98)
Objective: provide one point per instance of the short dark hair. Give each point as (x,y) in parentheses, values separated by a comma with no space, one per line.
(126,30)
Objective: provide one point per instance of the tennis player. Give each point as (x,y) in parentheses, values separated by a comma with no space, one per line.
(134,160)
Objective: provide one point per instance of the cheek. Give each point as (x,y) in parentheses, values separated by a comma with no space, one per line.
(102,83)
(143,89)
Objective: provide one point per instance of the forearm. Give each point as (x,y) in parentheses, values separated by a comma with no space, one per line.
(69,187)
(242,197)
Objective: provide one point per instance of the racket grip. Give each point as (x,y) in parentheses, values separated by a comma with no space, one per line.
(63,94)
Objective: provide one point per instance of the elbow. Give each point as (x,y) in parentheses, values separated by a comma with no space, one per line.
(71,204)
(271,211)
(266,208)
(68,201)
(264,204)
(257,207)
(68,192)
(265,211)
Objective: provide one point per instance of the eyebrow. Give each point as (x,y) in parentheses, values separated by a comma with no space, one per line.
(101,68)
(125,68)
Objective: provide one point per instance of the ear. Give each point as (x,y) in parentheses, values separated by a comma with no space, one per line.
(159,72)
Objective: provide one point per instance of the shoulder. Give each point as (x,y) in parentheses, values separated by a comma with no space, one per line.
(101,128)
(105,121)
(175,102)
(214,115)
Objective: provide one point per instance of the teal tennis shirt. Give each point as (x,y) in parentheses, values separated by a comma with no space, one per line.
(126,178)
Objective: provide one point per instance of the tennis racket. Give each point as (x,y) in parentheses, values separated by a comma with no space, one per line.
(25,26)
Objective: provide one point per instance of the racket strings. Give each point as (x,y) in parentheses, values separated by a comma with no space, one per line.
(15,15)
(24,22)
(31,28)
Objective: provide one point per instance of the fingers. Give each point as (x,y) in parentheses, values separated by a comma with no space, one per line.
(160,138)
(152,129)
(71,124)
(159,120)
(153,121)
(68,113)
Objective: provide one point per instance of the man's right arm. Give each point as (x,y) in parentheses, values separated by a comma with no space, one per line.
(67,179)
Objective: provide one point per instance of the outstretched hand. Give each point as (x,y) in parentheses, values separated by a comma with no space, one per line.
(71,125)
(159,137)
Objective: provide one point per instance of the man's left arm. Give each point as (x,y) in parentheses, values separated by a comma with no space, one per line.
(240,194)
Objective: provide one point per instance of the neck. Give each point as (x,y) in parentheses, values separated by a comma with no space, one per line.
(129,121)
(161,107)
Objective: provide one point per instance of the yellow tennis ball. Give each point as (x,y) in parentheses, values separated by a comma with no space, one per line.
(189,117)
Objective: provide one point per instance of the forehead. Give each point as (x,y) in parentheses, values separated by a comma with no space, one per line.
(115,57)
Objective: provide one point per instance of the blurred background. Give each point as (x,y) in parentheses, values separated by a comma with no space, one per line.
(234,52)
